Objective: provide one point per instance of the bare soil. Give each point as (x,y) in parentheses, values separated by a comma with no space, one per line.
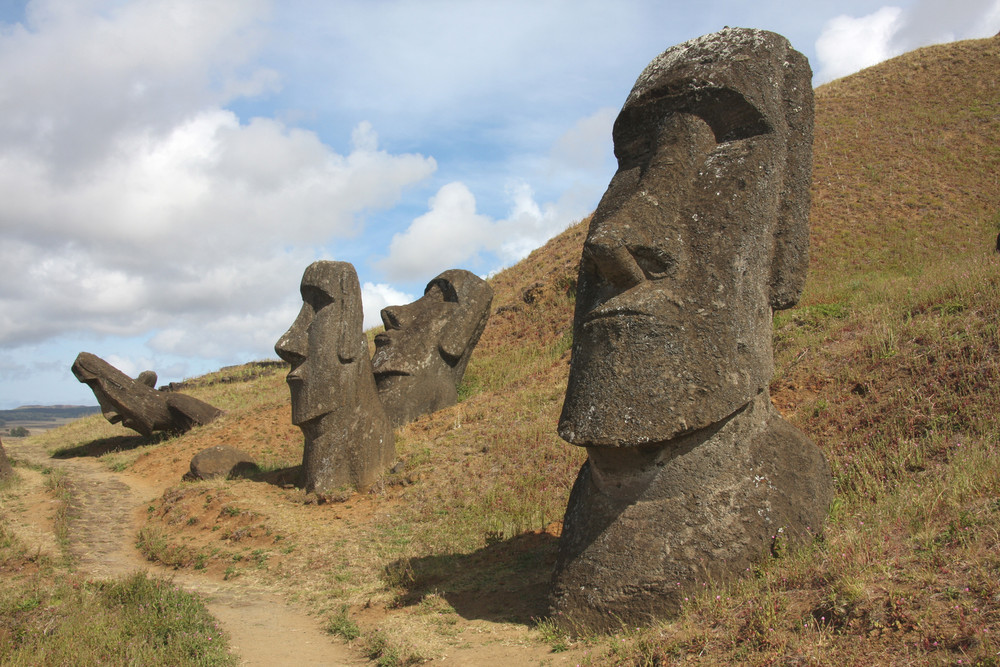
(107,510)
(105,514)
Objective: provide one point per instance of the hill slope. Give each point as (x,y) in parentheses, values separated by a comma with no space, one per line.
(907,161)
(890,364)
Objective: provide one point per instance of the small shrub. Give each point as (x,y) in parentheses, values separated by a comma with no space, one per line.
(343,626)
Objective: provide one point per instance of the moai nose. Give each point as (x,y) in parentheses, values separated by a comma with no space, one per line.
(612,258)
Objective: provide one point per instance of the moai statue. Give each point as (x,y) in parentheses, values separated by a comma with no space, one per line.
(348,438)
(691,473)
(421,356)
(135,403)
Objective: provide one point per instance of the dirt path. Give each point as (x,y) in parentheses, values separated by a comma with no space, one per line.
(105,514)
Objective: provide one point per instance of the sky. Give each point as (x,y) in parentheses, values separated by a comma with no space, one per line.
(168,168)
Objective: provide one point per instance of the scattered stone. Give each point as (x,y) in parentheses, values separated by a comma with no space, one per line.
(532,292)
(398,468)
(421,356)
(221,461)
(691,474)
(135,403)
(348,437)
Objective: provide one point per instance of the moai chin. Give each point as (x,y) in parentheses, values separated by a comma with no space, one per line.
(348,438)
(135,403)
(421,356)
(691,473)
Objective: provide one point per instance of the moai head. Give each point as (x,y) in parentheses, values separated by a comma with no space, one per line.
(702,232)
(326,343)
(348,438)
(421,356)
(135,403)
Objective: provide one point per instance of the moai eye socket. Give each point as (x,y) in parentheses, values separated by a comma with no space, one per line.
(655,263)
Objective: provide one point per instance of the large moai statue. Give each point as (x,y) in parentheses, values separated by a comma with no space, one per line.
(691,472)
(135,403)
(421,356)
(348,438)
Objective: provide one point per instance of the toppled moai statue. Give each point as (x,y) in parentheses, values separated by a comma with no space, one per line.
(691,473)
(421,356)
(348,438)
(135,403)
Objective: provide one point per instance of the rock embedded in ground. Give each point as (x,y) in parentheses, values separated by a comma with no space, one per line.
(221,461)
(691,473)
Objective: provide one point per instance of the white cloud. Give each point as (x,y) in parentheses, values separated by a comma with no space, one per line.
(78,73)
(202,220)
(134,204)
(375,297)
(934,22)
(847,44)
(587,145)
(452,234)
(448,235)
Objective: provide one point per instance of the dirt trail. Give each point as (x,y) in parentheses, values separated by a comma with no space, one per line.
(105,514)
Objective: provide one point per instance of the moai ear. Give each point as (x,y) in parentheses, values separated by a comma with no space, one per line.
(790,259)
(347,347)
(455,338)
(349,343)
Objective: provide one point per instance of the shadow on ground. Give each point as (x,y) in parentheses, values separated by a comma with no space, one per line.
(102,446)
(283,477)
(504,582)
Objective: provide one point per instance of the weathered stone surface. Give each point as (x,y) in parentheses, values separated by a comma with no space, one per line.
(703,231)
(421,356)
(147,378)
(221,461)
(348,438)
(6,472)
(135,403)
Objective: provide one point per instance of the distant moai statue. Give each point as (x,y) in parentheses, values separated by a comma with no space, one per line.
(348,438)
(135,403)
(421,356)
(691,473)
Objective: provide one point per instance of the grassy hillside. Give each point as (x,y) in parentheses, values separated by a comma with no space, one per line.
(891,364)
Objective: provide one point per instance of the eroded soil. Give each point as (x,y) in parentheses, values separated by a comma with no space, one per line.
(105,514)
(107,510)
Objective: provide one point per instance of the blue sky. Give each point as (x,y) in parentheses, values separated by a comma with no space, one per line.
(168,168)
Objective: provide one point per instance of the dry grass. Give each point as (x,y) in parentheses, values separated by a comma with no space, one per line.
(890,364)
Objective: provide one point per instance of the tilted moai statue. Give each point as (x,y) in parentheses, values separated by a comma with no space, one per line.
(135,403)
(421,356)
(348,438)
(691,473)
